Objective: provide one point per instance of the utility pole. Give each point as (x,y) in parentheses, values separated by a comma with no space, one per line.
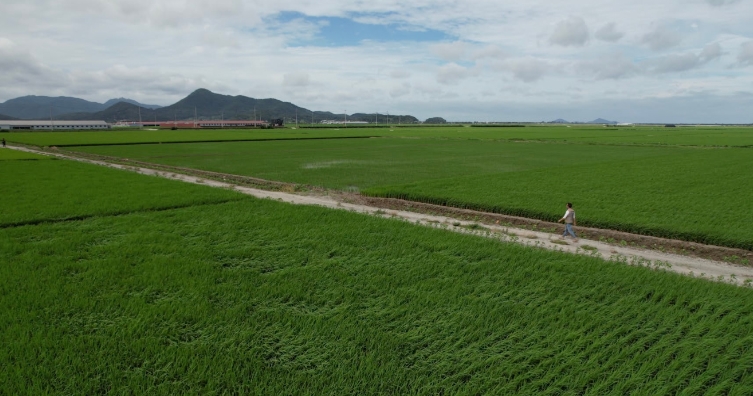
(296,118)
(194,117)
(222,119)
(377,118)
(141,125)
(346,118)
(52,124)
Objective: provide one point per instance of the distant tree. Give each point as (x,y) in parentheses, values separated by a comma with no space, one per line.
(435,120)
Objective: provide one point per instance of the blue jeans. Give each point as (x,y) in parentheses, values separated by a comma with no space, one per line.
(569,229)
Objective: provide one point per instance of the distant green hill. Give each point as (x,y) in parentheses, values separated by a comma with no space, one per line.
(211,106)
(42,107)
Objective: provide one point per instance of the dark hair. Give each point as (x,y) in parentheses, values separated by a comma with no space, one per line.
(569,205)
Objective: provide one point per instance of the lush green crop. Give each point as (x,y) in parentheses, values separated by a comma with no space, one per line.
(259,297)
(64,139)
(53,190)
(697,195)
(643,135)
(362,163)
(10,155)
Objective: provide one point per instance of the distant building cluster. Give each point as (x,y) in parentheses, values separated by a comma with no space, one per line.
(47,125)
(343,122)
(200,124)
(38,125)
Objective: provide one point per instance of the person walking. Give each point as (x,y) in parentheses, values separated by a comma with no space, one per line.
(3,142)
(569,219)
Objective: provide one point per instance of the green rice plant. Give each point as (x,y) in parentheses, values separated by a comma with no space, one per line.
(260,297)
(696,195)
(55,190)
(12,155)
(115,137)
(650,135)
(357,164)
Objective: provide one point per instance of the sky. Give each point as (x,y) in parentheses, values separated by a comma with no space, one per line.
(687,61)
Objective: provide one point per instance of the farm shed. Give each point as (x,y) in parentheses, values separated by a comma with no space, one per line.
(38,125)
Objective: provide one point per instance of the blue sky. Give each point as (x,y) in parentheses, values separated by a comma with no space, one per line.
(346,31)
(637,61)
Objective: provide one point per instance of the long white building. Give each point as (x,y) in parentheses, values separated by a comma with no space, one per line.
(39,125)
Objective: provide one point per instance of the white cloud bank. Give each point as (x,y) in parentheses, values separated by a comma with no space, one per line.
(570,32)
(491,54)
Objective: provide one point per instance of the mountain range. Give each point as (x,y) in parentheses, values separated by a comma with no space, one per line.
(202,103)
(43,107)
(596,121)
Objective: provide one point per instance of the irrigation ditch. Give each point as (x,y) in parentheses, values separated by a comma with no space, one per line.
(711,262)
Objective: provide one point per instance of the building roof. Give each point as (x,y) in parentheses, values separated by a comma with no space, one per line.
(48,123)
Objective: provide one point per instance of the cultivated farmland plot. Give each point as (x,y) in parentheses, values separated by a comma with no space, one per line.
(207,291)
(644,135)
(684,183)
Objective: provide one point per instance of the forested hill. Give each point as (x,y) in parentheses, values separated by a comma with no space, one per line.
(207,105)
(43,107)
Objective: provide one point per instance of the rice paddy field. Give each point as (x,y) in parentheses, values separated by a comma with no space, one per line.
(116,137)
(206,291)
(586,134)
(682,183)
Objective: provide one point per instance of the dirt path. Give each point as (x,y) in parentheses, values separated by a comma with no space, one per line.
(692,266)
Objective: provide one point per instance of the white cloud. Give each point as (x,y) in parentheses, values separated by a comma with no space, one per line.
(686,61)
(296,79)
(529,70)
(400,90)
(242,47)
(570,32)
(20,68)
(451,52)
(452,73)
(720,3)
(661,38)
(745,57)
(675,63)
(610,67)
(711,52)
(400,74)
(489,52)
(609,33)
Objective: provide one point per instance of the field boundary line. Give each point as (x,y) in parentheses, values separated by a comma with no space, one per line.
(213,141)
(688,265)
(111,214)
